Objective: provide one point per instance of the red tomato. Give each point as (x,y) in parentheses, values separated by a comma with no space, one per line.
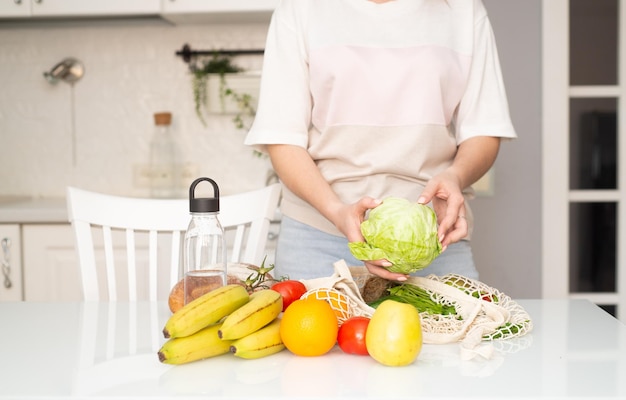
(290,290)
(351,336)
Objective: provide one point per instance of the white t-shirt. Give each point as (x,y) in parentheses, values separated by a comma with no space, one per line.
(380,95)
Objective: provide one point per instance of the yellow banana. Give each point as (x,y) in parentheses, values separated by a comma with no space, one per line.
(264,342)
(263,307)
(202,344)
(206,310)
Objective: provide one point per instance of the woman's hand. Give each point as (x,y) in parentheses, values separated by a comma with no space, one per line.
(473,159)
(348,219)
(379,268)
(444,190)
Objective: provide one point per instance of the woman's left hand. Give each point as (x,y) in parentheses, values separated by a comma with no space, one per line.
(444,191)
(473,159)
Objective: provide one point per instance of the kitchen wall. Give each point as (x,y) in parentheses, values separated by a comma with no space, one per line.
(132,72)
(507,239)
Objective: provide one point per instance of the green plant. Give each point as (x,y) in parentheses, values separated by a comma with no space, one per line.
(220,64)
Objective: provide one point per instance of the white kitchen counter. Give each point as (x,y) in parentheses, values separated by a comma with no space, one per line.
(20,210)
(109,351)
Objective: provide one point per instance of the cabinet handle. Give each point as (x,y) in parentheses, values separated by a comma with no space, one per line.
(38,1)
(18,2)
(6,262)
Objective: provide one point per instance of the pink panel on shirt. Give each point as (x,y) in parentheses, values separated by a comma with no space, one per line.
(354,85)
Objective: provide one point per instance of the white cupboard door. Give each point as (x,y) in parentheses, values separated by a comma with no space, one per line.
(51,270)
(10,263)
(15,8)
(95,7)
(218,5)
(217,11)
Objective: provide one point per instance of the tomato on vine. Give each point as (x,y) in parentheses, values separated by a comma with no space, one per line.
(290,290)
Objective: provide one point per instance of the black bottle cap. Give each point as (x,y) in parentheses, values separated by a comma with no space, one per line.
(204,204)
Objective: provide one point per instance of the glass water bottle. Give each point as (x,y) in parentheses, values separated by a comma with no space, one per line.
(163,158)
(205,247)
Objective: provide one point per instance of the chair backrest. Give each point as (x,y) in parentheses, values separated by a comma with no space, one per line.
(107,228)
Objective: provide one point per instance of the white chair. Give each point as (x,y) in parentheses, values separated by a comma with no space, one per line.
(129,251)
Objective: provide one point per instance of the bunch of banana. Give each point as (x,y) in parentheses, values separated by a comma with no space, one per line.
(225,319)
(206,310)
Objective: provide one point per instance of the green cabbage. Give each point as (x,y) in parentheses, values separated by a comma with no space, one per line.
(403,232)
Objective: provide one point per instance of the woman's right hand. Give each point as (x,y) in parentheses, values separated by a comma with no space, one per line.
(348,219)
(379,268)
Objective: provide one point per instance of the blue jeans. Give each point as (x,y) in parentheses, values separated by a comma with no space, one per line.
(303,252)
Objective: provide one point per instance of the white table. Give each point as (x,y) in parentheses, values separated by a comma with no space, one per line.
(101,350)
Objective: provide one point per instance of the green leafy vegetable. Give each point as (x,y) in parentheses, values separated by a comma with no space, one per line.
(403,232)
(417,297)
(508,329)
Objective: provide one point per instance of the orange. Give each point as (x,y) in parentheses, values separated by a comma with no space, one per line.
(309,327)
(339,302)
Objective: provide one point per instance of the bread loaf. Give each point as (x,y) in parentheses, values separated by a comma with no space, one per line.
(177,294)
(237,274)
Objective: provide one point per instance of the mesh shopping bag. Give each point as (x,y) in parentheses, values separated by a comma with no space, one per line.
(481,314)
(341,291)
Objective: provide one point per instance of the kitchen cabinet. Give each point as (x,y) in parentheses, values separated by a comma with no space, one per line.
(50,263)
(192,11)
(176,11)
(51,269)
(218,5)
(15,8)
(77,8)
(94,7)
(10,262)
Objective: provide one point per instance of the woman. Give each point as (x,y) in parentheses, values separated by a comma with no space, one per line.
(361,100)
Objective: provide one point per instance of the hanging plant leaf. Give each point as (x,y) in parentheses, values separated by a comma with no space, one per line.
(221,65)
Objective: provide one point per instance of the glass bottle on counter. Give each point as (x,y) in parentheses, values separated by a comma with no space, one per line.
(205,248)
(163,158)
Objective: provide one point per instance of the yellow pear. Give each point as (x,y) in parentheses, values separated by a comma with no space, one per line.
(394,334)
